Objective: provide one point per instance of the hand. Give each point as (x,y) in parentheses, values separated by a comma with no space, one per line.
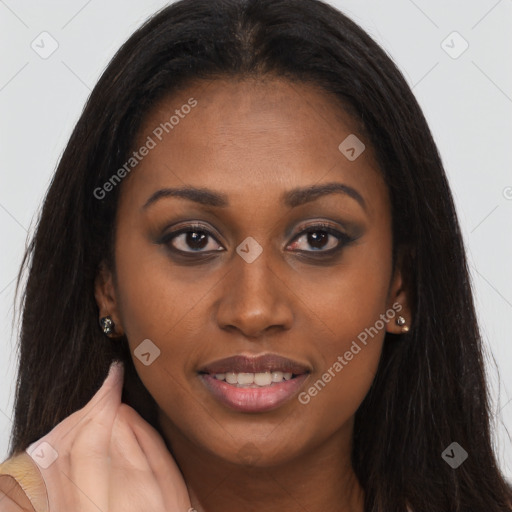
(108,458)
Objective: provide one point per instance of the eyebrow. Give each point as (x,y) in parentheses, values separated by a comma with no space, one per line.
(291,198)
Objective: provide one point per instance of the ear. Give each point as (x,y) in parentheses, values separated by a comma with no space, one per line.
(105,294)
(399,299)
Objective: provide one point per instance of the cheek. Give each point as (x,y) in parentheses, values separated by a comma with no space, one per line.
(157,304)
(350,356)
(352,305)
(155,297)
(343,382)
(353,295)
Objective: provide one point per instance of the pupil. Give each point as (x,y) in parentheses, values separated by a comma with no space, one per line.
(196,240)
(316,240)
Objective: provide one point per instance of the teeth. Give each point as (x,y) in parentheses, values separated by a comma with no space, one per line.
(231,378)
(262,379)
(253,379)
(245,378)
(277,376)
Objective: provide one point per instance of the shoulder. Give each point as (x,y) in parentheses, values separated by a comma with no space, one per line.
(22,486)
(12,496)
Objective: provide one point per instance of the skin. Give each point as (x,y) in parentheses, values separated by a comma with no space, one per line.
(253,140)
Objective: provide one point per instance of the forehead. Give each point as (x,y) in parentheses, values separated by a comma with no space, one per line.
(251,138)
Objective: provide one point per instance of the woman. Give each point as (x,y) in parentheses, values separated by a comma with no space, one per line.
(253,209)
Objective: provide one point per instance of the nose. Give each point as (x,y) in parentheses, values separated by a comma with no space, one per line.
(255,299)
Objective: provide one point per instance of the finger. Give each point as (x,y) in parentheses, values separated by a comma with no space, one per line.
(162,464)
(116,472)
(132,483)
(84,436)
(102,408)
(124,445)
(108,396)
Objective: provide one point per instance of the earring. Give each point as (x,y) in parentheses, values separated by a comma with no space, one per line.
(107,324)
(401,321)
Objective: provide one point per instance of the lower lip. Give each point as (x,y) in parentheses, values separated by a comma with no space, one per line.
(253,399)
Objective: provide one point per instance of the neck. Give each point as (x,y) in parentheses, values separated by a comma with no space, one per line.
(318,480)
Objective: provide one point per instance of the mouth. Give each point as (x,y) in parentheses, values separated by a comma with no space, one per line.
(254,384)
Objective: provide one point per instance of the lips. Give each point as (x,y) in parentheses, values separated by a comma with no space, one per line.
(268,392)
(255,364)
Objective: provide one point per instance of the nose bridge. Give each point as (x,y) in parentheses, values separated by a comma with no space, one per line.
(254,298)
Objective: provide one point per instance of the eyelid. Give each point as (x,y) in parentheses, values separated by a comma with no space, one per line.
(316,224)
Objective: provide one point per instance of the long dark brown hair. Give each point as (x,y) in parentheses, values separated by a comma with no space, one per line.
(430,388)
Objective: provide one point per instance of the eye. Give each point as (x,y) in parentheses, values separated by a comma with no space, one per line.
(191,239)
(322,238)
(197,239)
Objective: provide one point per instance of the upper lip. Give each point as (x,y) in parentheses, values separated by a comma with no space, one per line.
(255,364)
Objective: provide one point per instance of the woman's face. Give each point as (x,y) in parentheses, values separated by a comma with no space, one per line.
(242,276)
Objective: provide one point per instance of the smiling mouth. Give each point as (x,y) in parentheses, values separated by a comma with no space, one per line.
(254,384)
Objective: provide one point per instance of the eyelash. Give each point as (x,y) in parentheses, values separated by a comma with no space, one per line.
(343,240)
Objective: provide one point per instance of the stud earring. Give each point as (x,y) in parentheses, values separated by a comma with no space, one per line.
(401,321)
(107,325)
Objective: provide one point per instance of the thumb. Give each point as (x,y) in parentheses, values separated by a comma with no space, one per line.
(103,406)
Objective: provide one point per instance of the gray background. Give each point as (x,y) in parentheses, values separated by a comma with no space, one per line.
(467,101)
